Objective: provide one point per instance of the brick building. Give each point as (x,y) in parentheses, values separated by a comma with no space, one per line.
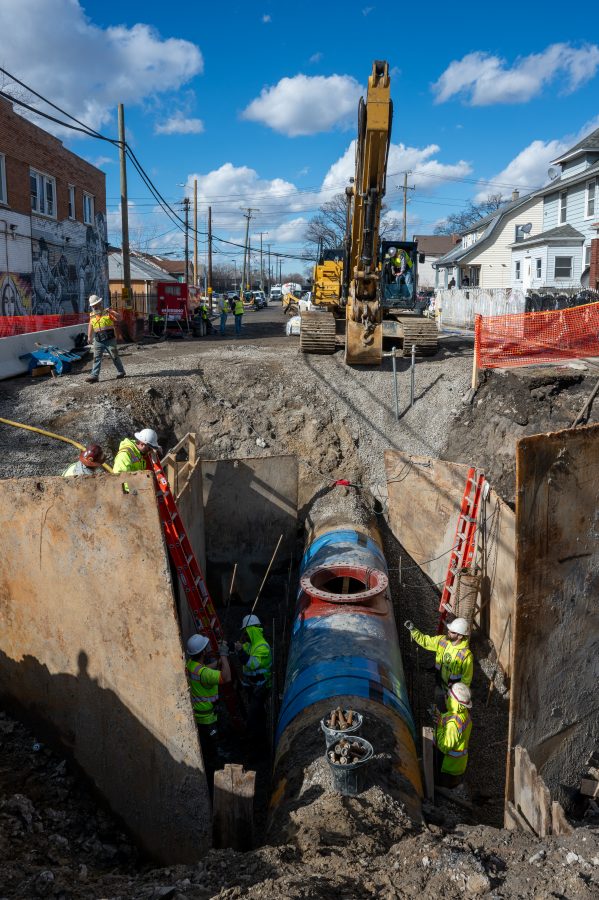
(52,222)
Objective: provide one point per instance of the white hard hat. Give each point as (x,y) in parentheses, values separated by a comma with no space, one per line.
(249,620)
(461,692)
(459,626)
(148,436)
(197,643)
(391,251)
(94,300)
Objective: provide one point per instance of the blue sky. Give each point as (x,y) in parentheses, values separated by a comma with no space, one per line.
(259,100)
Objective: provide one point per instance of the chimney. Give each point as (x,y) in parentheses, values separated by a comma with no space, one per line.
(515,194)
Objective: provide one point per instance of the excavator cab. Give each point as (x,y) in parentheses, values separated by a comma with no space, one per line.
(399,281)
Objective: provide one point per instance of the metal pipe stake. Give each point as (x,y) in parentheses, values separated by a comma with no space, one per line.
(395,385)
(412,373)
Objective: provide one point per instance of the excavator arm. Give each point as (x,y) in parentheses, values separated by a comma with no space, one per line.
(364,334)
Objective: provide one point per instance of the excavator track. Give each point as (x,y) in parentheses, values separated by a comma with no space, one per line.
(421,332)
(317,333)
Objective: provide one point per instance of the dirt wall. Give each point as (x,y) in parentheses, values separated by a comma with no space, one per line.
(90,646)
(553,712)
(424,502)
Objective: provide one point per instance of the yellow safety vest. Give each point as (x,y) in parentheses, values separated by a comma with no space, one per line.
(102,322)
(129,458)
(454,662)
(397,261)
(257,671)
(452,736)
(239,310)
(203,683)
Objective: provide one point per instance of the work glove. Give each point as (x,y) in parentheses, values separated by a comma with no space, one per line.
(223,648)
(409,625)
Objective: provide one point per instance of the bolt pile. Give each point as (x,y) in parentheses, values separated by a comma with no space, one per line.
(340,719)
(347,752)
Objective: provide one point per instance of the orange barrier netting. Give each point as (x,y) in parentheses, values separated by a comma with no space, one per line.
(526,339)
(11,325)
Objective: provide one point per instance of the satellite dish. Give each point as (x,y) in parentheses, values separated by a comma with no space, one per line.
(554,172)
(526,229)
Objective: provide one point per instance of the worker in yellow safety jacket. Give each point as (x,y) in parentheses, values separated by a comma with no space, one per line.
(452,736)
(103,330)
(255,656)
(89,462)
(238,310)
(133,455)
(453,657)
(204,680)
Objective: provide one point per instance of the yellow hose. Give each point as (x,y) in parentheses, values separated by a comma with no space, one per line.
(51,434)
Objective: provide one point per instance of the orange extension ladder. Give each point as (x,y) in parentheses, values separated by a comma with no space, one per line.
(462,551)
(191,577)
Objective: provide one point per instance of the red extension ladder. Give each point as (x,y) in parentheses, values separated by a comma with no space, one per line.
(191,577)
(464,543)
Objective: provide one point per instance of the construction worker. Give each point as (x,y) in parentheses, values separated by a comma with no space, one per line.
(238,310)
(204,679)
(133,455)
(453,657)
(255,656)
(103,329)
(223,308)
(89,462)
(452,735)
(205,314)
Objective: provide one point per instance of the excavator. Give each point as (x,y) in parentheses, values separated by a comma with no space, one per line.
(362,282)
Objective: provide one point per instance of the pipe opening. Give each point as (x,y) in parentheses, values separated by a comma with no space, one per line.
(344,584)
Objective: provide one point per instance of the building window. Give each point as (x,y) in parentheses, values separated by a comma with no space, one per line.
(520,233)
(563,207)
(71,202)
(2,179)
(539,265)
(88,209)
(43,193)
(563,267)
(517,270)
(590,204)
(587,257)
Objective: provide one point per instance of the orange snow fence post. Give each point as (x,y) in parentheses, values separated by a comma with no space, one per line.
(527,339)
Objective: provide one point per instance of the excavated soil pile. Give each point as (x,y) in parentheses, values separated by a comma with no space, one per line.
(510,405)
(56,842)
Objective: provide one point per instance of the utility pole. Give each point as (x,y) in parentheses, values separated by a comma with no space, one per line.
(124,211)
(195,231)
(405,190)
(262,233)
(186,207)
(210,256)
(248,215)
(269,272)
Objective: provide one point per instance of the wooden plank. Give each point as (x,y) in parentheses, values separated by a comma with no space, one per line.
(589,787)
(233,808)
(514,821)
(559,823)
(428,757)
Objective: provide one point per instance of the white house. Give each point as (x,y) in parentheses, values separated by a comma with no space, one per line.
(484,258)
(433,246)
(559,255)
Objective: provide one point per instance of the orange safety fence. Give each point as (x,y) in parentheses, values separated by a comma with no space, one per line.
(11,325)
(526,339)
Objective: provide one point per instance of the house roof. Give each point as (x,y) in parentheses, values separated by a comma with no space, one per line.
(141,269)
(172,266)
(560,183)
(552,236)
(436,244)
(589,144)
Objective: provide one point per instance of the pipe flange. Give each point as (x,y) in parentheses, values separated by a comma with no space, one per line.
(314,583)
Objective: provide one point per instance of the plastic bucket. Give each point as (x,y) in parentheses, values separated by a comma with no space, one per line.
(348,779)
(332,735)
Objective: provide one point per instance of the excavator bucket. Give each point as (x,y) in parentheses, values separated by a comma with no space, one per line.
(361,352)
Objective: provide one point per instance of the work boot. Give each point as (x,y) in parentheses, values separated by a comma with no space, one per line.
(92,379)
(121,375)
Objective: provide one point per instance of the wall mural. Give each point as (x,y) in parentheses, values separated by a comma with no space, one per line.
(15,294)
(69,264)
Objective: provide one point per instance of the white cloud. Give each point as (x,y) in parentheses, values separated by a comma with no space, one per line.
(291,232)
(266,18)
(307,104)
(316,57)
(528,169)
(427,172)
(55,47)
(100,161)
(484,79)
(367,10)
(179,124)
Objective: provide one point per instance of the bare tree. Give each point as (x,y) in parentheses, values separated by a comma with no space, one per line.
(460,221)
(327,228)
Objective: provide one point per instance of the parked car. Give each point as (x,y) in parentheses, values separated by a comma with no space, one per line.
(260,301)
